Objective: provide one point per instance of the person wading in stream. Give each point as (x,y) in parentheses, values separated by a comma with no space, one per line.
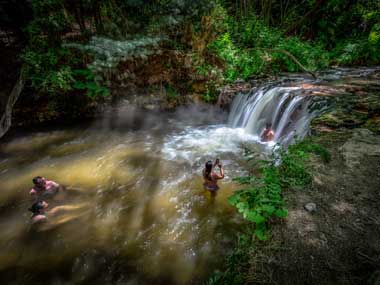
(211,178)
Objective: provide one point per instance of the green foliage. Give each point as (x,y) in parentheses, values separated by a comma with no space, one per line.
(346,33)
(237,262)
(239,63)
(171,93)
(374,35)
(360,51)
(261,198)
(85,80)
(249,47)
(247,254)
(49,18)
(45,73)
(53,71)
(311,55)
(108,53)
(115,29)
(211,94)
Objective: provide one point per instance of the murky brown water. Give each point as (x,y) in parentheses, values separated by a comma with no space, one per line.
(134,211)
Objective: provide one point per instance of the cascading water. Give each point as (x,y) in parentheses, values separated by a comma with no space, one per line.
(135,208)
(285,108)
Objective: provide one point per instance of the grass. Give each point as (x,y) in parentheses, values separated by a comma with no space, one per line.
(261,202)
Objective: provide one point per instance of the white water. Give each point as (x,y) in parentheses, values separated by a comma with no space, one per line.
(137,212)
(284,107)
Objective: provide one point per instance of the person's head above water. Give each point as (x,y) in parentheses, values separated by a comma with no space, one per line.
(39,181)
(208,165)
(37,207)
(268,125)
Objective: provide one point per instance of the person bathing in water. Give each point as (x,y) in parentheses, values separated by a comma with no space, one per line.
(268,134)
(58,214)
(210,177)
(43,186)
(38,212)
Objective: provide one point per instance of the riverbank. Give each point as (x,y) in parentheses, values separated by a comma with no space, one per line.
(330,235)
(334,241)
(338,242)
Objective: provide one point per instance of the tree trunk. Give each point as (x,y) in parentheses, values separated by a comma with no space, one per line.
(6,118)
(79,15)
(97,17)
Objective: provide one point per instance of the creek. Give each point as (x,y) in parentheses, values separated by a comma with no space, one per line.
(135,208)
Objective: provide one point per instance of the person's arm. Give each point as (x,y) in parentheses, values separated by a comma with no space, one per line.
(53,184)
(221,172)
(32,192)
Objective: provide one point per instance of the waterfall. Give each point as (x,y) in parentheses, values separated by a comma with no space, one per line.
(285,108)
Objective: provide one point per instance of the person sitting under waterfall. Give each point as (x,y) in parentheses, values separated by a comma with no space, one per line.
(210,177)
(268,134)
(43,186)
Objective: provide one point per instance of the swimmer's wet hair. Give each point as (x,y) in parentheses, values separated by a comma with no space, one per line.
(36,207)
(208,168)
(37,179)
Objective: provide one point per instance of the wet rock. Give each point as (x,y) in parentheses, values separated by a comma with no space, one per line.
(227,93)
(310,207)
(239,81)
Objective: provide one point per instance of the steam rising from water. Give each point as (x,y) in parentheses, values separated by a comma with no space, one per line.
(135,189)
(135,211)
(134,196)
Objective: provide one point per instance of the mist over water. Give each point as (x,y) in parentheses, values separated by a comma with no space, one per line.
(134,209)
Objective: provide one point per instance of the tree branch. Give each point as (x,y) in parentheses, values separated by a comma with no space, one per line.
(292,57)
(6,118)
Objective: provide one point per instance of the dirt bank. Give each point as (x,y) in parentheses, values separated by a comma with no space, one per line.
(339,243)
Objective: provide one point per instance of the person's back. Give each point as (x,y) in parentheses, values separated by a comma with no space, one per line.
(210,177)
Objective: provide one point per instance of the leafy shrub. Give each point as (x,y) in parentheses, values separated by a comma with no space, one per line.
(261,198)
(250,47)
(171,93)
(85,80)
(237,262)
(46,74)
(239,63)
(312,56)
(53,71)
(359,51)
(108,52)
(211,94)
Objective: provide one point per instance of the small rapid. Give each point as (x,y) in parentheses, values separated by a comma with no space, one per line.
(136,211)
(135,205)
